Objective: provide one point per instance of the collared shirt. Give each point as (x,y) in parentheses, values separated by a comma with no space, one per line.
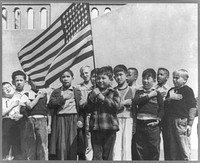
(21,96)
(163,90)
(85,89)
(69,106)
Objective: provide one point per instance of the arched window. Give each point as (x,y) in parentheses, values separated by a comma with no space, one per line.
(30,18)
(107,9)
(94,13)
(17,18)
(4,18)
(43,18)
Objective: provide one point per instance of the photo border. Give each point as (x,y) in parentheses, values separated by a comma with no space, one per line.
(103,2)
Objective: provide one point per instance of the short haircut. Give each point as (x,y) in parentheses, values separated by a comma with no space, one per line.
(106,70)
(4,83)
(134,69)
(183,73)
(18,72)
(70,72)
(149,72)
(120,68)
(94,71)
(165,70)
(83,67)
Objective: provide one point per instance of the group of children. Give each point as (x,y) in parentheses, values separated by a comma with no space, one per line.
(96,121)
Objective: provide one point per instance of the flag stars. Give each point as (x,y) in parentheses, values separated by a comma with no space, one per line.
(75,19)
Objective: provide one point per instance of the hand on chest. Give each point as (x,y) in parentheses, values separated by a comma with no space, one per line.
(67,94)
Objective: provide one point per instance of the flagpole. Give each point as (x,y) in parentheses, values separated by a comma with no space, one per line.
(94,62)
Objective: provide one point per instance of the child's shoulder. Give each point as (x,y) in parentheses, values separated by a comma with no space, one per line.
(187,89)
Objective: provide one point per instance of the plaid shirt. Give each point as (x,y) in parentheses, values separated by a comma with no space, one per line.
(104,113)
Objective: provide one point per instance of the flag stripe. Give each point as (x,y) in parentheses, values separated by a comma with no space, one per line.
(48,29)
(79,42)
(57,69)
(37,74)
(68,62)
(38,64)
(44,52)
(69,56)
(79,37)
(34,59)
(56,26)
(77,60)
(45,42)
(62,60)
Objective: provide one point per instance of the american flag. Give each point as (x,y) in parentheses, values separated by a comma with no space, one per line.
(66,42)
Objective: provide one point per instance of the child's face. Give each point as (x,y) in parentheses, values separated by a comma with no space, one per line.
(120,77)
(19,83)
(85,74)
(162,77)
(103,81)
(147,82)
(131,77)
(8,91)
(178,80)
(66,79)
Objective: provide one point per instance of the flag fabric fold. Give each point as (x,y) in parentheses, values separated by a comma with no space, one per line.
(66,42)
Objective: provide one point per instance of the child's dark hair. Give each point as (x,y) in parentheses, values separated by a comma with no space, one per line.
(106,70)
(70,72)
(149,72)
(134,69)
(164,69)
(4,83)
(120,68)
(18,72)
(94,71)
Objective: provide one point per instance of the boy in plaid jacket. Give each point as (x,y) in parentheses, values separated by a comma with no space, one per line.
(103,104)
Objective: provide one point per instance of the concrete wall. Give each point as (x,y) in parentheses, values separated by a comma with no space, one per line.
(149,35)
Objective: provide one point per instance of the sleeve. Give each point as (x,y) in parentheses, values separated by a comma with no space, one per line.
(191,117)
(112,100)
(191,104)
(90,106)
(80,110)
(190,99)
(56,100)
(160,105)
